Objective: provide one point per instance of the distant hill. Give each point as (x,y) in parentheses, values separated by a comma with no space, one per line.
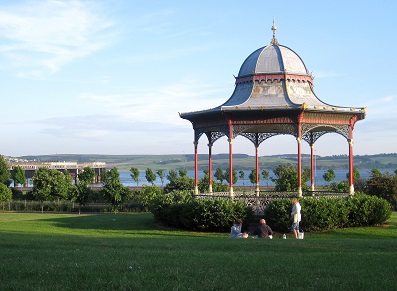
(240,161)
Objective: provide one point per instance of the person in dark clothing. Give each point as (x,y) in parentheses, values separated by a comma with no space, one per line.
(263,230)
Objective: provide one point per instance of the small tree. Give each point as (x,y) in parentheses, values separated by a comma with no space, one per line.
(5,194)
(113,191)
(81,194)
(242,176)
(182,173)
(287,178)
(4,172)
(265,175)
(329,175)
(252,177)
(172,175)
(219,175)
(18,175)
(227,176)
(203,184)
(87,175)
(150,176)
(135,175)
(356,174)
(161,175)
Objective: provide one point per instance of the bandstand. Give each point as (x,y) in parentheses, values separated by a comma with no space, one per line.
(273,95)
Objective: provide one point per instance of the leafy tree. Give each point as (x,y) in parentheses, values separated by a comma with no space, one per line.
(18,175)
(242,176)
(182,173)
(340,187)
(150,176)
(50,184)
(81,194)
(356,174)
(4,172)
(265,175)
(252,177)
(113,191)
(227,176)
(161,175)
(5,194)
(87,175)
(383,186)
(135,175)
(180,184)
(203,184)
(329,175)
(375,173)
(172,175)
(219,175)
(287,178)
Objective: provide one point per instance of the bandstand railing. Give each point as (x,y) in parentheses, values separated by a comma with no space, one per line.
(261,201)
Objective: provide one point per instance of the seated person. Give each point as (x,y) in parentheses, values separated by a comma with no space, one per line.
(263,230)
(235,231)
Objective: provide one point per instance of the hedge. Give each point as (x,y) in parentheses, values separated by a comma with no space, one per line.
(323,213)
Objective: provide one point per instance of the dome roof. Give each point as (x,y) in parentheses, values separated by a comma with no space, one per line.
(273,59)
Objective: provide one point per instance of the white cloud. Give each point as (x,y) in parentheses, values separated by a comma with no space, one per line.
(39,37)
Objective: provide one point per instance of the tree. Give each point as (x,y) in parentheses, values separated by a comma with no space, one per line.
(219,175)
(172,175)
(203,184)
(135,175)
(227,176)
(81,194)
(265,175)
(375,173)
(252,177)
(50,184)
(329,175)
(150,176)
(383,186)
(87,175)
(4,172)
(287,178)
(161,175)
(113,191)
(356,174)
(18,175)
(5,194)
(182,173)
(242,176)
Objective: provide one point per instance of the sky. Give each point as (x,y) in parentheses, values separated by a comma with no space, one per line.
(110,77)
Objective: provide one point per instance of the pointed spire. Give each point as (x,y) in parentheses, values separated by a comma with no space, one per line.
(274,28)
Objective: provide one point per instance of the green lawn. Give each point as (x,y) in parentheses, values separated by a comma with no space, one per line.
(130,252)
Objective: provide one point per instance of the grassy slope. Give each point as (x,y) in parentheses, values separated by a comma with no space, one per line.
(130,252)
(240,161)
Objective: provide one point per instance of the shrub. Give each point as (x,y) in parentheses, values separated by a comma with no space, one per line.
(180,209)
(323,213)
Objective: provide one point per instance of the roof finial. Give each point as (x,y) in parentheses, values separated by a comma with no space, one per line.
(274,28)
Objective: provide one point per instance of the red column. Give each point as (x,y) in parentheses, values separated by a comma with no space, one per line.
(210,167)
(195,168)
(351,167)
(257,170)
(299,139)
(231,158)
(312,164)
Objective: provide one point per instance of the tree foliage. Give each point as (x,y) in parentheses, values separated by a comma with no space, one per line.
(265,175)
(242,176)
(150,176)
(18,175)
(252,177)
(219,175)
(356,174)
(329,175)
(287,178)
(135,175)
(113,191)
(383,185)
(4,172)
(161,175)
(203,184)
(87,175)
(226,175)
(5,193)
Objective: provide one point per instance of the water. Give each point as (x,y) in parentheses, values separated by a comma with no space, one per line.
(340,175)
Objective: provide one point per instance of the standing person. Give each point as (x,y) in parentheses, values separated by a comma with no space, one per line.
(263,230)
(295,216)
(235,231)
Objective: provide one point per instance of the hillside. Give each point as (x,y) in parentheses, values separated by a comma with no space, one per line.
(240,161)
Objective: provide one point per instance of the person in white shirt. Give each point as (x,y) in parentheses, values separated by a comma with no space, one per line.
(295,216)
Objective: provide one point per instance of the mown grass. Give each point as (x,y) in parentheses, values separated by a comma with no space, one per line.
(131,252)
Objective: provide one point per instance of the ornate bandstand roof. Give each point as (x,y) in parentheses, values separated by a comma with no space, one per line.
(273,79)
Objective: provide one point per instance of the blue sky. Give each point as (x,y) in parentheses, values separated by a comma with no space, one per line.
(109,77)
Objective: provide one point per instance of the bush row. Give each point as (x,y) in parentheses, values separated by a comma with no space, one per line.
(181,210)
(322,213)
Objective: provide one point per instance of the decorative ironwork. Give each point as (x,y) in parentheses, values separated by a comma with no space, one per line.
(257,138)
(213,136)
